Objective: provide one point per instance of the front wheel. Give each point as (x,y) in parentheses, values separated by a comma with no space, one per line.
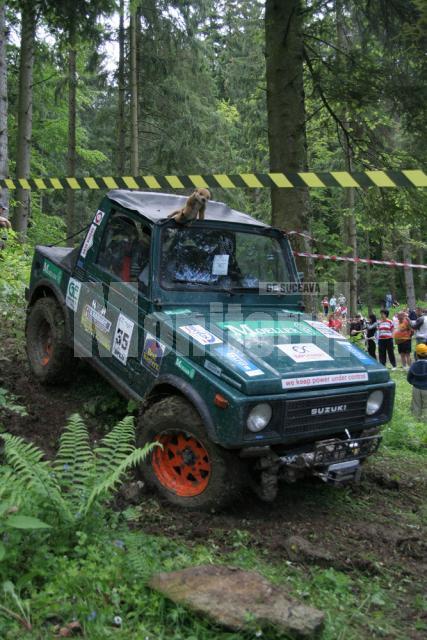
(187,469)
(51,359)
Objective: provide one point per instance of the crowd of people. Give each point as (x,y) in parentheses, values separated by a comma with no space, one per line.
(405,330)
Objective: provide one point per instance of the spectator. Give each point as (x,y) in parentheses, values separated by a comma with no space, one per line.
(385,340)
(403,338)
(412,315)
(371,331)
(341,300)
(343,312)
(420,326)
(357,328)
(4,222)
(417,376)
(388,300)
(333,304)
(325,305)
(335,322)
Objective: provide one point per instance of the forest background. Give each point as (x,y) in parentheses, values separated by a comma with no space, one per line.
(214,86)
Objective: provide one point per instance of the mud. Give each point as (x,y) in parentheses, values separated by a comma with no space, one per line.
(375,528)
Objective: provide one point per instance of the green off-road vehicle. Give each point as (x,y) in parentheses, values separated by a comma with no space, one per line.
(203,325)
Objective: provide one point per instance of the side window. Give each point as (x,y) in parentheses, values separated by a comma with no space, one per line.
(125,250)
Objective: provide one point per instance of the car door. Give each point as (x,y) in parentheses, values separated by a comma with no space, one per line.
(116,294)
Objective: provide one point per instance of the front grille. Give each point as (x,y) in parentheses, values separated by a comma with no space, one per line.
(325,413)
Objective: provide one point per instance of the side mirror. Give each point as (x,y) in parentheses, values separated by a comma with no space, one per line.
(301,276)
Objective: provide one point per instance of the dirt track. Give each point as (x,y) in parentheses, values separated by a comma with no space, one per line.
(375,528)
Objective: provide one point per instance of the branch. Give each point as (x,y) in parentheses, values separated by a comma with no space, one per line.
(328,44)
(326,103)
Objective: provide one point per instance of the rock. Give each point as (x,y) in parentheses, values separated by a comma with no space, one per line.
(238,599)
(301,550)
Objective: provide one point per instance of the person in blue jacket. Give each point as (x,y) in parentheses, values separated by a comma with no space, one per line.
(417,376)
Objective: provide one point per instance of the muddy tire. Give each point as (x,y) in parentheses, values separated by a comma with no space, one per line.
(51,360)
(188,470)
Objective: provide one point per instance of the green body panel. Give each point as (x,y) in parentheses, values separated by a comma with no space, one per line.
(247,347)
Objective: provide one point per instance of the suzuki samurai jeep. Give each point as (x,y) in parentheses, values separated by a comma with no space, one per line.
(233,380)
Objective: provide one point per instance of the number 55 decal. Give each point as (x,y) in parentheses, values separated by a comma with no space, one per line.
(122,338)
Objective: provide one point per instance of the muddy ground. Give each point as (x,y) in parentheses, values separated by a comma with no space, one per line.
(376,528)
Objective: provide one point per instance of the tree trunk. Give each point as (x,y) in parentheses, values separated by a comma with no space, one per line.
(368,277)
(408,272)
(134,147)
(284,51)
(71,154)
(349,226)
(421,276)
(121,138)
(285,108)
(4,162)
(25,115)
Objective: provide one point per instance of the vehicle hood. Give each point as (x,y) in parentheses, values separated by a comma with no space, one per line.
(269,351)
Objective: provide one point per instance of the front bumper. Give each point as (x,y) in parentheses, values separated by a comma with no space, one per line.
(334,461)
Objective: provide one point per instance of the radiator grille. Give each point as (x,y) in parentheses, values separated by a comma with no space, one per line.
(325,413)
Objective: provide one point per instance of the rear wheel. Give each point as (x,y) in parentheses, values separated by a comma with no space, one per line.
(51,359)
(187,469)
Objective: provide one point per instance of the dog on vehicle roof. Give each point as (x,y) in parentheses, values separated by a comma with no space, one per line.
(195,207)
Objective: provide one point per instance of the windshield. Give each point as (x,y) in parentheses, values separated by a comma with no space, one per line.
(213,259)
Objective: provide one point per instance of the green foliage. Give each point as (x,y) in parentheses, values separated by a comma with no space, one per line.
(9,402)
(404,431)
(15,267)
(68,493)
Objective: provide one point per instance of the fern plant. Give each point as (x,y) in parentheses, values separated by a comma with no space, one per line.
(67,491)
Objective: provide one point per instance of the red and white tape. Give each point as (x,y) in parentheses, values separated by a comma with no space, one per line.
(387,263)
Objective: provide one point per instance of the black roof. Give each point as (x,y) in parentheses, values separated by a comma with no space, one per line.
(157,206)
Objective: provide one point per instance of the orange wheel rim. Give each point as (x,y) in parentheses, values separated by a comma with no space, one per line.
(182,464)
(46,351)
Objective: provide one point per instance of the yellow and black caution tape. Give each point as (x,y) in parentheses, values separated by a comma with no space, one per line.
(311,179)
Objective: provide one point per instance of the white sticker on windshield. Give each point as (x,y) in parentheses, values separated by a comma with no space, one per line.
(122,338)
(304,352)
(220,265)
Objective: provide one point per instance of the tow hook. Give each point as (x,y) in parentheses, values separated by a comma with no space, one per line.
(342,472)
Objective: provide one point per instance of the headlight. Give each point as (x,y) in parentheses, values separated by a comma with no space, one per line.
(259,417)
(375,400)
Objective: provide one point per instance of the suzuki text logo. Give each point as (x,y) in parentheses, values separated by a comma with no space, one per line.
(319,411)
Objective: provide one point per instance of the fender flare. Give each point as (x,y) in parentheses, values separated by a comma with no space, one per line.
(187,390)
(43,285)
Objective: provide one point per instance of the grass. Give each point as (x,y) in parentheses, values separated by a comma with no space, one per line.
(404,431)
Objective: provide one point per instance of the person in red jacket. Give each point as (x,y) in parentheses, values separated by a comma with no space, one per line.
(385,339)
(335,321)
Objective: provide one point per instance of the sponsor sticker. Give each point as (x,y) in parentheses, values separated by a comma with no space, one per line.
(73,294)
(317,381)
(95,322)
(325,330)
(200,334)
(185,367)
(152,353)
(88,240)
(210,366)
(238,360)
(122,338)
(304,352)
(220,265)
(360,355)
(254,328)
(98,217)
(177,312)
(52,271)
